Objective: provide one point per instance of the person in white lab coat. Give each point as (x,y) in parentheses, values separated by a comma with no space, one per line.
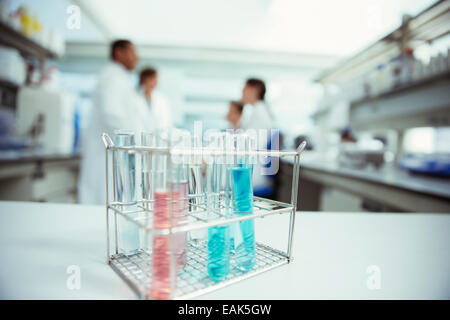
(116,106)
(256,116)
(157,103)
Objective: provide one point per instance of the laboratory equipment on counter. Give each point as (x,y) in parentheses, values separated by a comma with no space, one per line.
(8,138)
(153,272)
(13,68)
(359,155)
(433,164)
(47,116)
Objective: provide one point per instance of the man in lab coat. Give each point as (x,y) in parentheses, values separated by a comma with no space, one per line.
(256,116)
(157,103)
(116,106)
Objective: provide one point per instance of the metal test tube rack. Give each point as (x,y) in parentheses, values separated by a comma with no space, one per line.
(194,281)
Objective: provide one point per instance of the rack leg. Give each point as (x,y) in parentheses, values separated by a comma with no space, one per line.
(294,193)
(107,209)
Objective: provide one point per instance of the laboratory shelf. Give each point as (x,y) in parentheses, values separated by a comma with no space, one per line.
(199,216)
(193,280)
(24,44)
(421,103)
(427,26)
(405,88)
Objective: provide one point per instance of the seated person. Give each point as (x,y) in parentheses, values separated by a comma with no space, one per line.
(234,114)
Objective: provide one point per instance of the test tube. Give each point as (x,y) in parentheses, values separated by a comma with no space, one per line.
(242,204)
(163,262)
(196,191)
(148,139)
(180,187)
(218,237)
(229,163)
(125,192)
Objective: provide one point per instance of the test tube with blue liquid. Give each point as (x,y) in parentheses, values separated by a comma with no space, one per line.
(242,203)
(125,192)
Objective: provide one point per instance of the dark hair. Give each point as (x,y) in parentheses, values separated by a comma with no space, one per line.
(258,83)
(239,105)
(148,72)
(118,44)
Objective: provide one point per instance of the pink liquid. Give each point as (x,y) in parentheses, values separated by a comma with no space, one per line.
(160,286)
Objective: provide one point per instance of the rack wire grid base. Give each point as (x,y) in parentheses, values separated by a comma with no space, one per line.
(193,280)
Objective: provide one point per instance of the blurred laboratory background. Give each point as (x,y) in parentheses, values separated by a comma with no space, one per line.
(365,82)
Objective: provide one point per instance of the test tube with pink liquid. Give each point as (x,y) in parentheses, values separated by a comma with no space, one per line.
(169,210)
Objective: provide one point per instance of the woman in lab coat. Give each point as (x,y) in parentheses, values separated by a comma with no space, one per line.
(116,106)
(157,103)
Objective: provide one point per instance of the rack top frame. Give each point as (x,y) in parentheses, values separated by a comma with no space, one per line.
(175,151)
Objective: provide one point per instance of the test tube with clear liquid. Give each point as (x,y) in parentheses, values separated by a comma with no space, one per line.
(180,187)
(197,191)
(125,192)
(148,139)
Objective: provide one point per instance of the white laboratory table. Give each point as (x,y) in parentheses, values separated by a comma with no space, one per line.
(332,252)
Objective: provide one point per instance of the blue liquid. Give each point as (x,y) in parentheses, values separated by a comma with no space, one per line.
(218,252)
(245,251)
(242,190)
(228,206)
(243,204)
(232,231)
